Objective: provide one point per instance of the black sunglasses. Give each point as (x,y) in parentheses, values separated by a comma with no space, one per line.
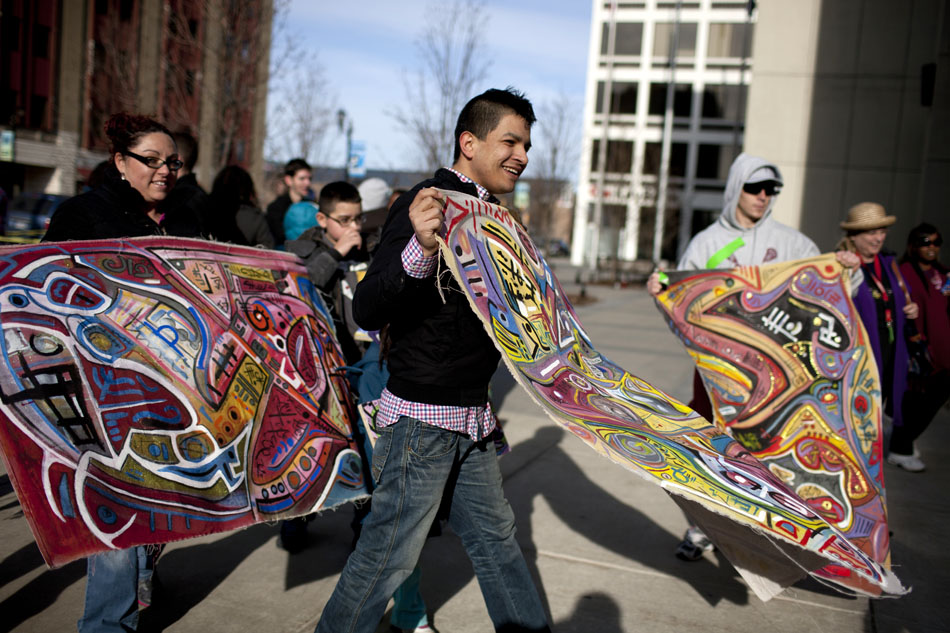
(154,162)
(770,188)
(926,240)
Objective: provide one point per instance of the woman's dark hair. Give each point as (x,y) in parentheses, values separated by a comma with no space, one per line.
(124,131)
(233,187)
(97,176)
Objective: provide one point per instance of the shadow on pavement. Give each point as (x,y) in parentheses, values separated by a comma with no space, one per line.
(593,612)
(188,574)
(20,563)
(40,593)
(329,536)
(589,509)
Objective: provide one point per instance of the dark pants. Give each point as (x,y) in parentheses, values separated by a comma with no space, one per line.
(919,407)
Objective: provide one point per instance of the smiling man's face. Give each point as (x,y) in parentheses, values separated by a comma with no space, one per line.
(497,161)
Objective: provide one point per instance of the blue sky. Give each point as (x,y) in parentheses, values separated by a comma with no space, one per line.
(366,49)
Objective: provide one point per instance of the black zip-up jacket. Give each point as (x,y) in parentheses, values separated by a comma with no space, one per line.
(113,210)
(440,352)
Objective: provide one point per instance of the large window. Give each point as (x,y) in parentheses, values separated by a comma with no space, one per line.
(671,222)
(663,36)
(727,40)
(724,102)
(682,99)
(619,156)
(653,152)
(623,97)
(713,161)
(628,38)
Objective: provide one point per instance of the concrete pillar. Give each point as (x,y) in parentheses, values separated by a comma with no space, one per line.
(151,29)
(259,125)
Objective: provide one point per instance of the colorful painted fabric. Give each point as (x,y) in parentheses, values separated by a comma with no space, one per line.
(156,389)
(770,534)
(787,365)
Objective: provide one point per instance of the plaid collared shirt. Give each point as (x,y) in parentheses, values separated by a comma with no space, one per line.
(475,422)
(482,192)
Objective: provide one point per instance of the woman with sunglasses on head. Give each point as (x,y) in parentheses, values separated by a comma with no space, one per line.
(143,164)
(886,310)
(143,167)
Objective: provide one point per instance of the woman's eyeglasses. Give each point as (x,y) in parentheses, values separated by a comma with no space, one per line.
(927,240)
(154,162)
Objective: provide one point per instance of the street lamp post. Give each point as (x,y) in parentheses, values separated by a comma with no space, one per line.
(344,121)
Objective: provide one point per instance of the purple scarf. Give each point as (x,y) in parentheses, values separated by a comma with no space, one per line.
(867,308)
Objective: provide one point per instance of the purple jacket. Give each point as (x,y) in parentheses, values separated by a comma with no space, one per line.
(868,311)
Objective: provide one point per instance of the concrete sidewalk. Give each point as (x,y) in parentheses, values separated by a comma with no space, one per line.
(599,538)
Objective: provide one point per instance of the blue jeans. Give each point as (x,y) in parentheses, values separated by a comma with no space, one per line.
(409,608)
(112,580)
(413,464)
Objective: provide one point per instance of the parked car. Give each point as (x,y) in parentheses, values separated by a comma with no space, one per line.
(28,215)
(558,248)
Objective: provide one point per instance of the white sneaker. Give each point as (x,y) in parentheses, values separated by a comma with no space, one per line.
(910,463)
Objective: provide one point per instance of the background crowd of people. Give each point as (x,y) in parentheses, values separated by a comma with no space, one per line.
(382,278)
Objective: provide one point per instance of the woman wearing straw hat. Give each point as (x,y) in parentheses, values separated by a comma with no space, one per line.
(884,304)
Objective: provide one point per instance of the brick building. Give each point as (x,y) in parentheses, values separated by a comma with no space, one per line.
(66,66)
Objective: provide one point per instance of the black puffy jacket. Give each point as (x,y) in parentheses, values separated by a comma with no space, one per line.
(113,210)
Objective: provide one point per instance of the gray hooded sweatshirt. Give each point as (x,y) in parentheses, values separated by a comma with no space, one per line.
(768,241)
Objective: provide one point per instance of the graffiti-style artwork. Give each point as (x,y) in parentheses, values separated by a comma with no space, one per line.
(156,389)
(785,359)
(626,419)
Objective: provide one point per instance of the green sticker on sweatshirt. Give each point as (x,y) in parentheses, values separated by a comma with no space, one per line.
(720,256)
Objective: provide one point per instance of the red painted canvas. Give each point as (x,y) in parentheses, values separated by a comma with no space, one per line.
(157,389)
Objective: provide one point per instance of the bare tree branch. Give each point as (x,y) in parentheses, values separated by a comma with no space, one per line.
(237,51)
(557,148)
(300,118)
(453,60)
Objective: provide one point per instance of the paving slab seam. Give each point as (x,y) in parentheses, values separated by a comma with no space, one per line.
(642,572)
(816,604)
(601,564)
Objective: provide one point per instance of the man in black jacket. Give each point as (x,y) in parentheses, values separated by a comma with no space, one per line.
(297,174)
(187,207)
(434,417)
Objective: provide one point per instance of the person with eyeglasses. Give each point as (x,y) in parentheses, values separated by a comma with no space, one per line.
(143,167)
(143,164)
(745,234)
(335,263)
(335,258)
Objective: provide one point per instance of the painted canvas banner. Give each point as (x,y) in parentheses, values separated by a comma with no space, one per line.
(770,535)
(785,359)
(156,389)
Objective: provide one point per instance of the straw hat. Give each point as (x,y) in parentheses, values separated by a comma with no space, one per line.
(867,216)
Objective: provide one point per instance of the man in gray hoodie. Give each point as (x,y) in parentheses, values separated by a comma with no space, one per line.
(744,235)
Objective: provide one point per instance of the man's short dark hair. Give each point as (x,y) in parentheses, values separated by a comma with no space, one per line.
(482,114)
(187,148)
(334,192)
(295,165)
